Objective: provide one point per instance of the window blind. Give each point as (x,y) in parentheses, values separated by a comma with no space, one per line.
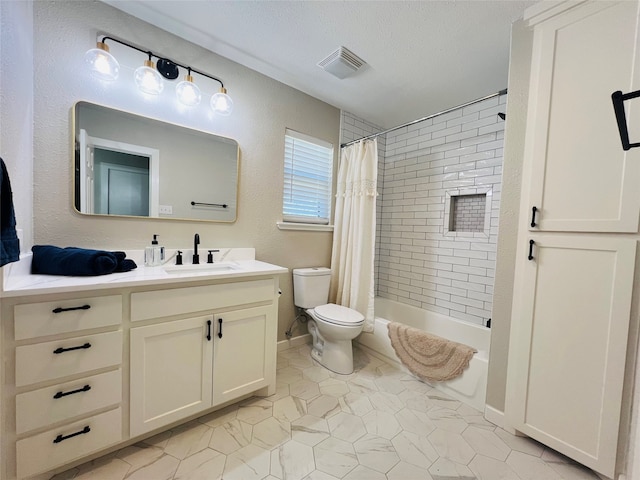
(308,170)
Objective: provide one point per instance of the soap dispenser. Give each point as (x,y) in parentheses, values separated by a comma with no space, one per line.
(153,254)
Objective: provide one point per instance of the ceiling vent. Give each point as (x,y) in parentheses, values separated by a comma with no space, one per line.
(342,63)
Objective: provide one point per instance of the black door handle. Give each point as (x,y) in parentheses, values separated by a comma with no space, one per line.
(209,330)
(220,328)
(79,347)
(531,244)
(533,216)
(618,99)
(69,309)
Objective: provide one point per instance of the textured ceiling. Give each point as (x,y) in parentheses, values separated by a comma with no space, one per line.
(422,56)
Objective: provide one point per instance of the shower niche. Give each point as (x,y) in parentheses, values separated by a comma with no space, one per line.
(468,212)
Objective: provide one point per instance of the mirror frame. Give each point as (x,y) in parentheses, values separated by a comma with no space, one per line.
(75,159)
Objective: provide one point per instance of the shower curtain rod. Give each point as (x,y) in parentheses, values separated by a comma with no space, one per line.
(497,94)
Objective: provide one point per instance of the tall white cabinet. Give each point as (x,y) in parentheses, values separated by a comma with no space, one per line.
(579,232)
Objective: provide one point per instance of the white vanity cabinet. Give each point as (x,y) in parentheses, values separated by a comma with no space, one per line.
(67,380)
(206,345)
(125,356)
(244,345)
(170,367)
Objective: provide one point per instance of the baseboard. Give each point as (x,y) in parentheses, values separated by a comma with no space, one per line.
(498,418)
(294,342)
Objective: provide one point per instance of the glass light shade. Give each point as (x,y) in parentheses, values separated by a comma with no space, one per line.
(103,65)
(221,103)
(188,92)
(148,79)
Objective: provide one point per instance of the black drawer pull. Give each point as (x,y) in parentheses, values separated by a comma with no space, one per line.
(533,216)
(220,329)
(86,388)
(531,244)
(80,347)
(60,438)
(209,330)
(69,309)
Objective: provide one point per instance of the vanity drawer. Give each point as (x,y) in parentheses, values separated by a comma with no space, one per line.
(39,453)
(50,318)
(59,402)
(36,363)
(164,303)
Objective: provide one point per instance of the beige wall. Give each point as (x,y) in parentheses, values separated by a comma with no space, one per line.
(63,31)
(519,67)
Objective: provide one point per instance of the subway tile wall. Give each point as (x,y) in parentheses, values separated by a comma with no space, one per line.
(419,261)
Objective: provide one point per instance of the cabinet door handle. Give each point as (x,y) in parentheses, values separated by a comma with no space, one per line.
(220,328)
(86,388)
(618,99)
(69,309)
(209,330)
(531,244)
(79,347)
(60,438)
(533,216)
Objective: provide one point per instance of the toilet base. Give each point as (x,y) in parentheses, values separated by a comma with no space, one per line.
(335,356)
(332,344)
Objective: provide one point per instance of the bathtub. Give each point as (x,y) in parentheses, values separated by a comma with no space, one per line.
(471,386)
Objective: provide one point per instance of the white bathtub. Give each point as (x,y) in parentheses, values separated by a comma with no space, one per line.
(471,386)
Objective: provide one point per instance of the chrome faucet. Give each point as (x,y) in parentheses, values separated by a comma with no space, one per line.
(196,242)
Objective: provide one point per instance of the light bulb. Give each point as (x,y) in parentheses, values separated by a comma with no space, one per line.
(221,103)
(103,65)
(148,79)
(188,92)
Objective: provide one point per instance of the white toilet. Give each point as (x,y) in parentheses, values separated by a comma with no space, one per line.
(331,326)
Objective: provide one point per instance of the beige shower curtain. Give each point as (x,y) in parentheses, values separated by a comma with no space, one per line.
(352,283)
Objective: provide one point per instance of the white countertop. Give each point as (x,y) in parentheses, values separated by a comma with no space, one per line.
(18,280)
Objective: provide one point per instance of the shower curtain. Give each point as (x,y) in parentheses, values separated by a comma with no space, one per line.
(352,282)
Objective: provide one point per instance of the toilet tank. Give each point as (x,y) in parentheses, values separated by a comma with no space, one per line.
(311,286)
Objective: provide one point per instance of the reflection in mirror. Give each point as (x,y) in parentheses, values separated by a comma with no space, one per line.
(126,164)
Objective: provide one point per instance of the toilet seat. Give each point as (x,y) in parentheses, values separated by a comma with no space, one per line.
(339,315)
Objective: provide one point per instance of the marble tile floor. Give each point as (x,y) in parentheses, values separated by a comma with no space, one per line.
(378,423)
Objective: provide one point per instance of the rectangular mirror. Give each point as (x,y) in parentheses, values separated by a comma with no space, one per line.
(126,164)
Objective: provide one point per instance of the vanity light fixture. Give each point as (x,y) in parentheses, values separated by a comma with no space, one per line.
(221,103)
(188,92)
(150,78)
(103,65)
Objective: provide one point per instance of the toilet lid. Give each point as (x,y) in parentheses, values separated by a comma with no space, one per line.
(339,315)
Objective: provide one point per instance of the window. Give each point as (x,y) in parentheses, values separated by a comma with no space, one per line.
(308,170)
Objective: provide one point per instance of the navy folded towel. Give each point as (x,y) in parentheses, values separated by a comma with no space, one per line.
(124,264)
(9,243)
(73,261)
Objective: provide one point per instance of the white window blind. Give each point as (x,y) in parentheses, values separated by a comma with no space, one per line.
(308,170)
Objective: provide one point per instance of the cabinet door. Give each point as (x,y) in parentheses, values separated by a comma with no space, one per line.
(568,345)
(581,179)
(170,372)
(243,352)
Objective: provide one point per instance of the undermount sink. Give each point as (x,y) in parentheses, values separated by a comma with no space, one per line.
(200,268)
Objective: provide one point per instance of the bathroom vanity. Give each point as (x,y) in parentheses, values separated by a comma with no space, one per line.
(93,363)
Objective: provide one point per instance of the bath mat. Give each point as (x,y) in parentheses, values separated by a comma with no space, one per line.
(427,356)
